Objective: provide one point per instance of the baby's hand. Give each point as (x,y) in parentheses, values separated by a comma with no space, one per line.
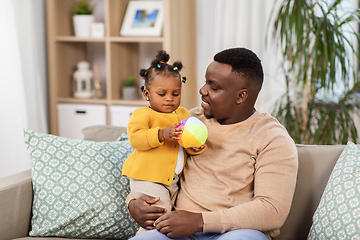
(170,133)
(195,149)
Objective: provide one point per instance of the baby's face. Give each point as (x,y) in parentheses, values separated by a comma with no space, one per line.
(165,93)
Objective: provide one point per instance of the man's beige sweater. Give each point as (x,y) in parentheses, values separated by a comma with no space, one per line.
(245,178)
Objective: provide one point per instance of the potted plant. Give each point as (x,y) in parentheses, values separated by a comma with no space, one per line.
(129,89)
(83,19)
(318,59)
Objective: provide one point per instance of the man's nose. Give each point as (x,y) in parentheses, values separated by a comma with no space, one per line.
(203,91)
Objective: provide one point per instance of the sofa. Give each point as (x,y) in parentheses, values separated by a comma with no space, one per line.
(316,163)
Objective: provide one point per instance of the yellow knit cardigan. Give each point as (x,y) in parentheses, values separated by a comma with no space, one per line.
(152,160)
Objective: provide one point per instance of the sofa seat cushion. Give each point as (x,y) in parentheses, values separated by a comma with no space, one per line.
(78,188)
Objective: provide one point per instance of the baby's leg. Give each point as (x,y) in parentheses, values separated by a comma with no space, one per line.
(140,188)
(173,190)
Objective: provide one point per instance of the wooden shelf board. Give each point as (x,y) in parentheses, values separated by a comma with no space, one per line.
(111,39)
(139,102)
(76,39)
(83,100)
(137,39)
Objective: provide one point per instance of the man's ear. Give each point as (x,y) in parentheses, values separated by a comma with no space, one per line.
(242,95)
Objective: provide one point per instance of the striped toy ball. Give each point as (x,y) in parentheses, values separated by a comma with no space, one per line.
(194,134)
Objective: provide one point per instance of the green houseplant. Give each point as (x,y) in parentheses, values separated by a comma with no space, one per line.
(83,18)
(318,54)
(129,89)
(83,8)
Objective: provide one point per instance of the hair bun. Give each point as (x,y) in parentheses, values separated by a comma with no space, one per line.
(143,72)
(162,56)
(177,65)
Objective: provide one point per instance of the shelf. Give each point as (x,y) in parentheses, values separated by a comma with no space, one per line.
(83,100)
(117,57)
(76,39)
(130,102)
(137,39)
(139,102)
(111,39)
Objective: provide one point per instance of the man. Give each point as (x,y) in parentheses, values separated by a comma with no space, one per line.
(241,186)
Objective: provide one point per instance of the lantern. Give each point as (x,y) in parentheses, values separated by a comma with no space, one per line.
(83,87)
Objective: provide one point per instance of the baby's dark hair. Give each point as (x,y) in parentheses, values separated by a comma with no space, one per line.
(243,62)
(160,66)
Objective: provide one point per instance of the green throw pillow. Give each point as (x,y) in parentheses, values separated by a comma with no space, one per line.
(338,214)
(78,188)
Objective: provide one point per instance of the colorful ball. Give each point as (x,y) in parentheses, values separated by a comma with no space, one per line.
(194,134)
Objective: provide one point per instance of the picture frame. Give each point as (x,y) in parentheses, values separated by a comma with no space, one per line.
(143,18)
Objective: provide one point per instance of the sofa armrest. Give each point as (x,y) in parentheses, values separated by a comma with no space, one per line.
(15,205)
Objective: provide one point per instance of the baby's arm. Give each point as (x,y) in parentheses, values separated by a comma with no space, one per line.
(141,135)
(170,133)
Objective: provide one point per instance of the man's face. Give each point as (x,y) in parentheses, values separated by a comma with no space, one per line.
(220,93)
(164,93)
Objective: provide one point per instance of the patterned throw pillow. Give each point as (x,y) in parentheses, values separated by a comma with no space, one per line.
(78,188)
(338,214)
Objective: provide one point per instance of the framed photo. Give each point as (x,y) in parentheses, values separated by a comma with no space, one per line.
(143,18)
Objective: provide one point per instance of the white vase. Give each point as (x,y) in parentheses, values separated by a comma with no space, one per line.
(82,25)
(129,93)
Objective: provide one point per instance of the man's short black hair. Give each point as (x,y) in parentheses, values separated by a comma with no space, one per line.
(244,62)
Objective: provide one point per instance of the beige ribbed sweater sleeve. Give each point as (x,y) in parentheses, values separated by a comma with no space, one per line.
(244,179)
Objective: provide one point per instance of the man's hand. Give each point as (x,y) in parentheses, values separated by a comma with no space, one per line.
(145,214)
(179,223)
(195,149)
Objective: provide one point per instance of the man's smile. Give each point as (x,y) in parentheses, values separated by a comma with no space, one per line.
(204,102)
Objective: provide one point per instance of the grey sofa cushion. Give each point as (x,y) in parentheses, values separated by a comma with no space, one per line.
(337,215)
(315,165)
(101,133)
